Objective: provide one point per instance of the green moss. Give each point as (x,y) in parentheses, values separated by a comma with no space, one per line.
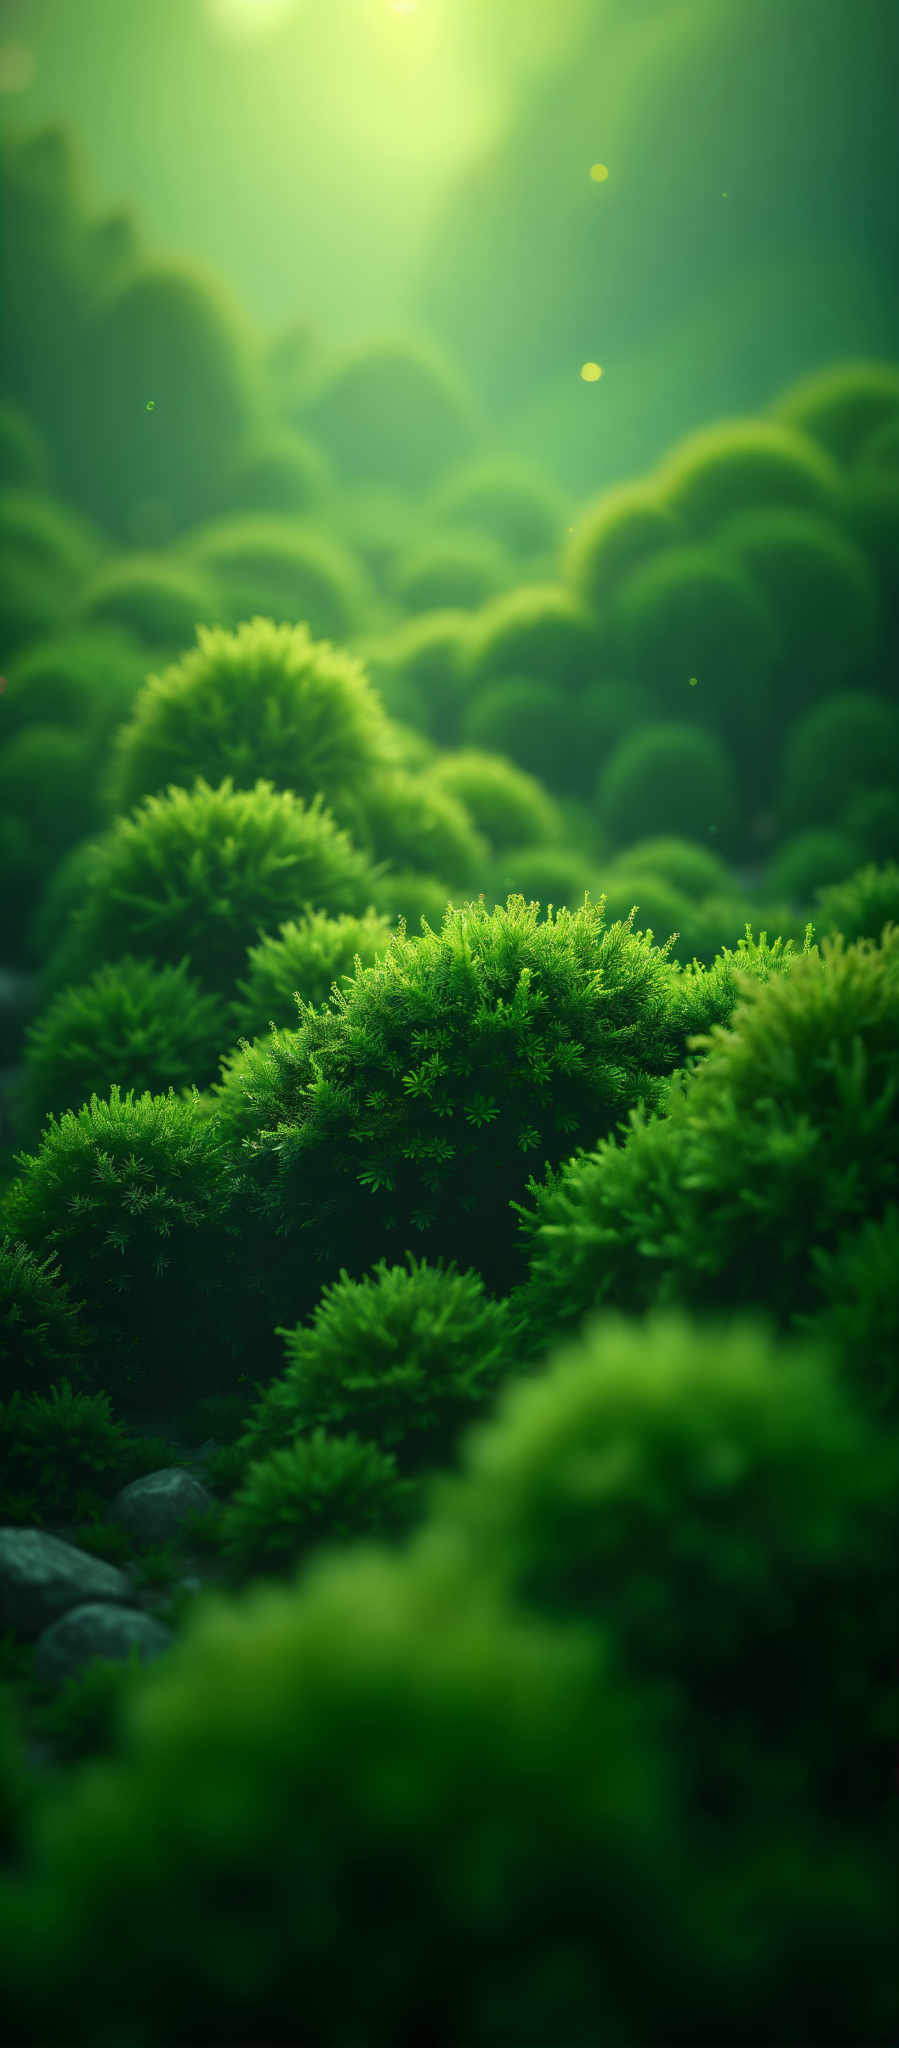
(411,822)
(24,455)
(694,870)
(725,469)
(405,1357)
(420,1099)
(543,874)
(85,681)
(280,568)
(41,1331)
(129,1195)
(613,535)
(356,1756)
(508,806)
(265,701)
(540,631)
(148,1028)
(318,1490)
(822,593)
(391,412)
(278,471)
(196,875)
(871,818)
(668,779)
(170,334)
(49,778)
(691,613)
(834,752)
(860,906)
(300,966)
(509,499)
(840,407)
(65,1456)
(451,572)
(858,1316)
(535,725)
(710,1497)
(809,861)
(783,1139)
(159,601)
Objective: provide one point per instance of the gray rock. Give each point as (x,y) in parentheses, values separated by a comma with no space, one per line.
(42,1577)
(97,1629)
(153,1508)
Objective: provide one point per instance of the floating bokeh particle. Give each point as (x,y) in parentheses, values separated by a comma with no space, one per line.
(151,405)
(590,372)
(693,682)
(599,173)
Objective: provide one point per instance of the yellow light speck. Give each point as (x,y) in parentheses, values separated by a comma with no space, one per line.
(693,682)
(590,372)
(599,173)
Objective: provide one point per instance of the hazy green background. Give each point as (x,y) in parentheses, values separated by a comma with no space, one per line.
(370,170)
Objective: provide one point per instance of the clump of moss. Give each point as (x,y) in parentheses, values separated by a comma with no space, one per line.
(511,500)
(281,569)
(508,806)
(614,535)
(419,1098)
(725,469)
(64,1455)
(300,966)
(430,1781)
(280,471)
(809,861)
(860,906)
(85,681)
(160,601)
(695,1489)
(391,412)
(871,818)
(41,1331)
(397,1760)
(821,591)
(557,875)
(406,1358)
(405,893)
(265,701)
(317,1490)
(841,406)
(129,1195)
(196,875)
(696,871)
(691,613)
(424,656)
(669,778)
(453,571)
(781,1140)
(24,455)
(49,779)
(170,334)
(541,631)
(412,822)
(546,733)
(833,752)
(46,550)
(148,1028)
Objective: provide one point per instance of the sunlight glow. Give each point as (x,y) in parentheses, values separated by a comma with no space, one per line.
(247,20)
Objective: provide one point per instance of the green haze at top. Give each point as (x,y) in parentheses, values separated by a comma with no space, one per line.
(298,146)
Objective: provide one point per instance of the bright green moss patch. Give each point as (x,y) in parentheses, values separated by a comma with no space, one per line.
(198,874)
(264,701)
(300,964)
